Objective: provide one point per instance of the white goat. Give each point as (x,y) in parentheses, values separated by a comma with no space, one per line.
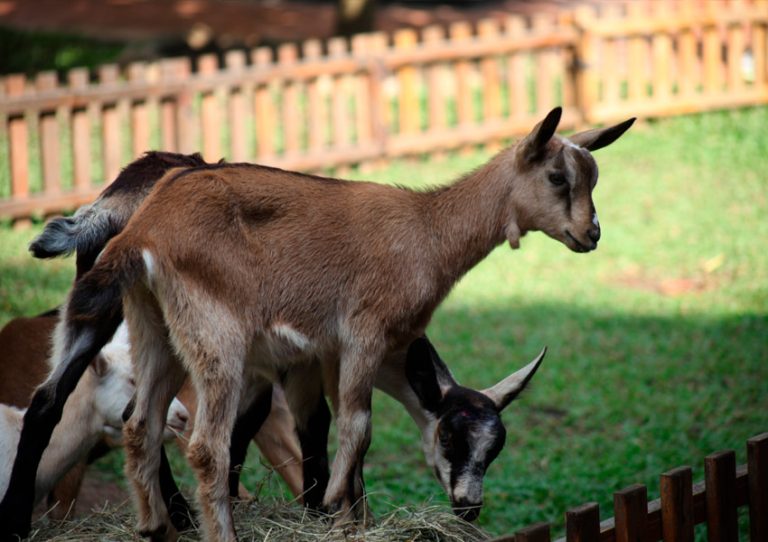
(94,408)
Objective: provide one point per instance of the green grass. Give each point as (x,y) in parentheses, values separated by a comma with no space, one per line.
(658,341)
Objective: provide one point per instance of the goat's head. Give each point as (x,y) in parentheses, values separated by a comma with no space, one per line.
(466,433)
(115,388)
(556,177)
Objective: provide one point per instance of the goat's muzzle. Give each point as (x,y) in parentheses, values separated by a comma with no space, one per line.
(581,246)
(466,510)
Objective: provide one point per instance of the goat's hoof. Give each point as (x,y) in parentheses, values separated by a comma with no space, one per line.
(13,530)
(160,534)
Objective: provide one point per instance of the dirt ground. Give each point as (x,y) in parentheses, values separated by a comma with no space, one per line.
(241,22)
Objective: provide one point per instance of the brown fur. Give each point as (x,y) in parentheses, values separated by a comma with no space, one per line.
(25,344)
(258,268)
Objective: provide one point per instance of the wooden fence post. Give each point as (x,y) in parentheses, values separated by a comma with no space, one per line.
(337,48)
(630,508)
(287,56)
(722,518)
(677,505)
(50,140)
(408,95)
(264,108)
(210,111)
(586,77)
(81,134)
(757,460)
(236,111)
(18,139)
(538,532)
(110,127)
(582,524)
(140,129)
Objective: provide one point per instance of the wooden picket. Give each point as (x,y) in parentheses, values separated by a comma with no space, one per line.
(682,506)
(316,106)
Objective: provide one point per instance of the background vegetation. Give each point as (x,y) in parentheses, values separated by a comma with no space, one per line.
(658,340)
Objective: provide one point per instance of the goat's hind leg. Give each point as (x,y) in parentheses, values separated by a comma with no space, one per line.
(216,372)
(158,378)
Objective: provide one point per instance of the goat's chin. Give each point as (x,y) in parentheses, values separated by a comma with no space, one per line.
(575,245)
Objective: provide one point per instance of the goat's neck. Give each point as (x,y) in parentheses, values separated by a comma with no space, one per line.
(391,380)
(77,432)
(471,217)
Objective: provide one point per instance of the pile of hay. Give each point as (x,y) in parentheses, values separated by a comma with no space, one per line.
(274,522)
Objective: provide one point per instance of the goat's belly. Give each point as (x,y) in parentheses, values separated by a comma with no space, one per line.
(278,349)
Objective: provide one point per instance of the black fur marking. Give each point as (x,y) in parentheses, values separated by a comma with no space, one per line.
(181,514)
(94,313)
(142,174)
(43,414)
(52,313)
(246,427)
(314,449)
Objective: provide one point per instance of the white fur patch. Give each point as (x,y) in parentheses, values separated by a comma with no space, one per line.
(296,338)
(568,143)
(149,262)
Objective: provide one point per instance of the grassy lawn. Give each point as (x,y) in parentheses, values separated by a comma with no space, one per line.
(658,341)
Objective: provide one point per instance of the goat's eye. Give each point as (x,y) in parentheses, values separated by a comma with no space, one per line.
(557,179)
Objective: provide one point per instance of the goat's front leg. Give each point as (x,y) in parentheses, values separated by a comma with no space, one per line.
(346,490)
(304,394)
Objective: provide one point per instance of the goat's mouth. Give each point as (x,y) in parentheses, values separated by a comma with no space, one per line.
(576,245)
(467,512)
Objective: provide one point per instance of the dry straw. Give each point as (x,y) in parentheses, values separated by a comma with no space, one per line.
(276,522)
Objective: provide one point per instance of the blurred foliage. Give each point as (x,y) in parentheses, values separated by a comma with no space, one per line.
(30,52)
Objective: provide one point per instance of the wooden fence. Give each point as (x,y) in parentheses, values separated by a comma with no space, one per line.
(682,506)
(321,105)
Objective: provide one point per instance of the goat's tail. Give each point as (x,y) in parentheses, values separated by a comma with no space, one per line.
(87,232)
(92,315)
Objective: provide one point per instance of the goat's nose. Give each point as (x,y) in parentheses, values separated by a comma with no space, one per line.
(594,234)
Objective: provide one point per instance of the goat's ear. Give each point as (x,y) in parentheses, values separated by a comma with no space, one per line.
(428,376)
(505,391)
(99,365)
(535,143)
(601,137)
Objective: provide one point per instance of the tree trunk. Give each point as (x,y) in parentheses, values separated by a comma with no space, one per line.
(355,16)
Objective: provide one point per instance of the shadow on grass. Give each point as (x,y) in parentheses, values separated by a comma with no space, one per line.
(621,398)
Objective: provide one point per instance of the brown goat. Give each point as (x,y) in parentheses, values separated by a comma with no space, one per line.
(259,273)
(478,424)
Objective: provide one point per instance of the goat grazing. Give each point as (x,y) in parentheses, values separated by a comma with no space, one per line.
(95,406)
(92,227)
(247,271)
